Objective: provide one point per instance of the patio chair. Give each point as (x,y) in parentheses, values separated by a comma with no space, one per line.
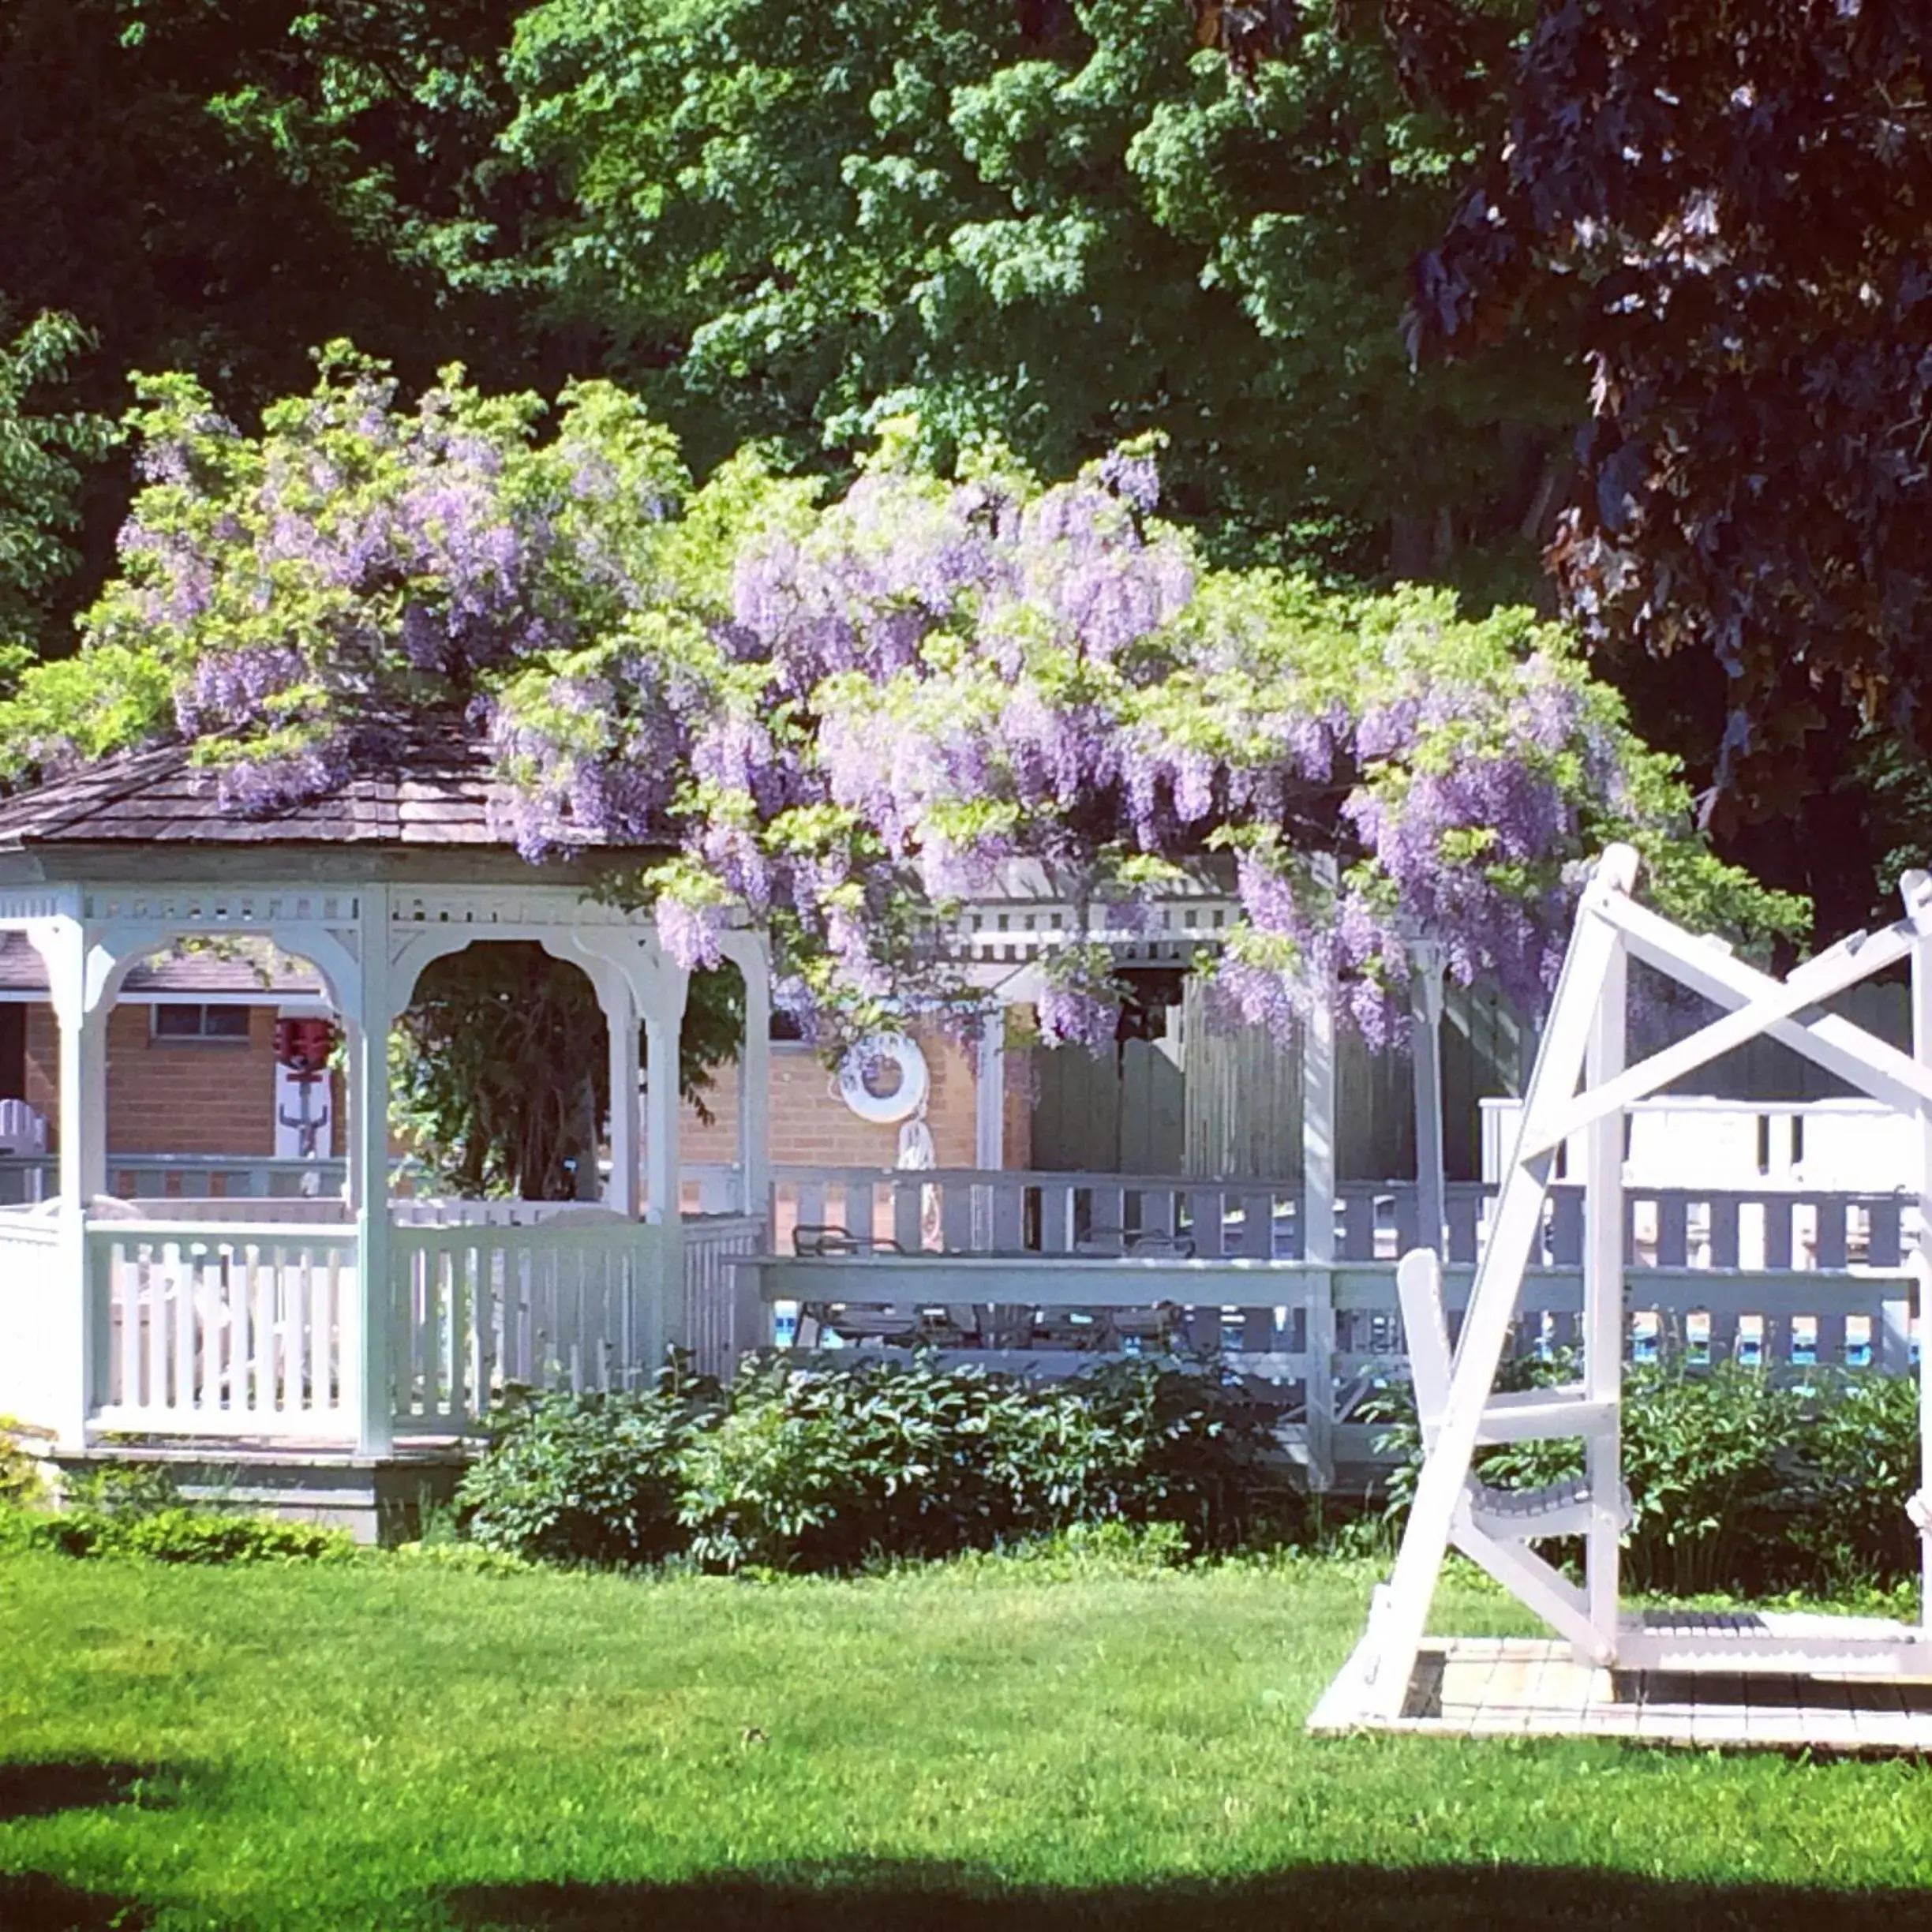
(1112,1327)
(1107,1329)
(909,1327)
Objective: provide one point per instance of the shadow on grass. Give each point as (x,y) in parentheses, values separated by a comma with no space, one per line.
(78,1785)
(1350,1898)
(31,1901)
(34,1902)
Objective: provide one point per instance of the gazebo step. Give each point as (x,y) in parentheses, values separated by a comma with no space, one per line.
(384,1500)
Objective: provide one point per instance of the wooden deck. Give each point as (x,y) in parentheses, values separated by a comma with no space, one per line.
(1519,1686)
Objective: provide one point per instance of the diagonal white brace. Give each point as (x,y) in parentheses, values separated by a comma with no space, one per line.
(1816,979)
(1855,1056)
(1594,947)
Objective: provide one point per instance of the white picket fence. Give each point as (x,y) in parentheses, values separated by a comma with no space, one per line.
(29,1260)
(557,1305)
(967,1210)
(1009,1211)
(237,1329)
(1690,1140)
(1034,1271)
(234,1333)
(724,1319)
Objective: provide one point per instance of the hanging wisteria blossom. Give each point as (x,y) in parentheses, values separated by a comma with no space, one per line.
(840,719)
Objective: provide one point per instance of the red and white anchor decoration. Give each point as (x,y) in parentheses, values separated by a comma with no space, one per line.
(305,1095)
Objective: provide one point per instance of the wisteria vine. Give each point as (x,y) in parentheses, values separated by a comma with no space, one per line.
(843,718)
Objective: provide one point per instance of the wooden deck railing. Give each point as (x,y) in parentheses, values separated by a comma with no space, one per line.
(1782,1279)
(206,1323)
(724,1318)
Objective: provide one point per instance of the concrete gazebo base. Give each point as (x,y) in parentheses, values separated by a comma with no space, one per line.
(388,1500)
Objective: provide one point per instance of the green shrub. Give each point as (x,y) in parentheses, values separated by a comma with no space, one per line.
(1740,1481)
(180,1535)
(20,1486)
(818,1468)
(136,1509)
(589,1478)
(124,1489)
(1857,1463)
(1709,1456)
(812,1467)
(1085,1552)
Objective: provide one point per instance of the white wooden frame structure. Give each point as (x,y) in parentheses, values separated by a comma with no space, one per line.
(1585,1043)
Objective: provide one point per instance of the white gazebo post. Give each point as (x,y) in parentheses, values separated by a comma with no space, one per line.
(990,1091)
(1318,1219)
(1425,1004)
(618,999)
(366,1363)
(62,944)
(662,1000)
(660,987)
(620,1015)
(750,954)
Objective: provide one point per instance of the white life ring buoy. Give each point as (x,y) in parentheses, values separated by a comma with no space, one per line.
(905,1099)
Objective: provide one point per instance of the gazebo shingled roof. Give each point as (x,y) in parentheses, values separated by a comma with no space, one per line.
(431,788)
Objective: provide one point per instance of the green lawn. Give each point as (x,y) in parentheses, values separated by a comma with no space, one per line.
(391,1744)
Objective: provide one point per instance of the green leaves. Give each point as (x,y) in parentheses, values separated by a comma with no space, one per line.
(503,1084)
(1738,1482)
(44,454)
(799,223)
(812,1466)
(1731,200)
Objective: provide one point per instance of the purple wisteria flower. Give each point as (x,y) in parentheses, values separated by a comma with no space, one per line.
(842,719)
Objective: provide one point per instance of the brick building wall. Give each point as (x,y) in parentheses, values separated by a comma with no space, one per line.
(171,1096)
(812,1127)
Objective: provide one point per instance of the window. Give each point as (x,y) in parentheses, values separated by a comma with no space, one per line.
(178,1019)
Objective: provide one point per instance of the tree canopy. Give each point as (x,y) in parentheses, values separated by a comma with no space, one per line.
(842,715)
(215,185)
(44,452)
(1739,194)
(1061,225)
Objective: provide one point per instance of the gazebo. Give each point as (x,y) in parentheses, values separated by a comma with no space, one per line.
(358,1335)
(358,1326)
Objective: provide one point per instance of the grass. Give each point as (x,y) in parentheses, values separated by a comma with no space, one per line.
(397,1745)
